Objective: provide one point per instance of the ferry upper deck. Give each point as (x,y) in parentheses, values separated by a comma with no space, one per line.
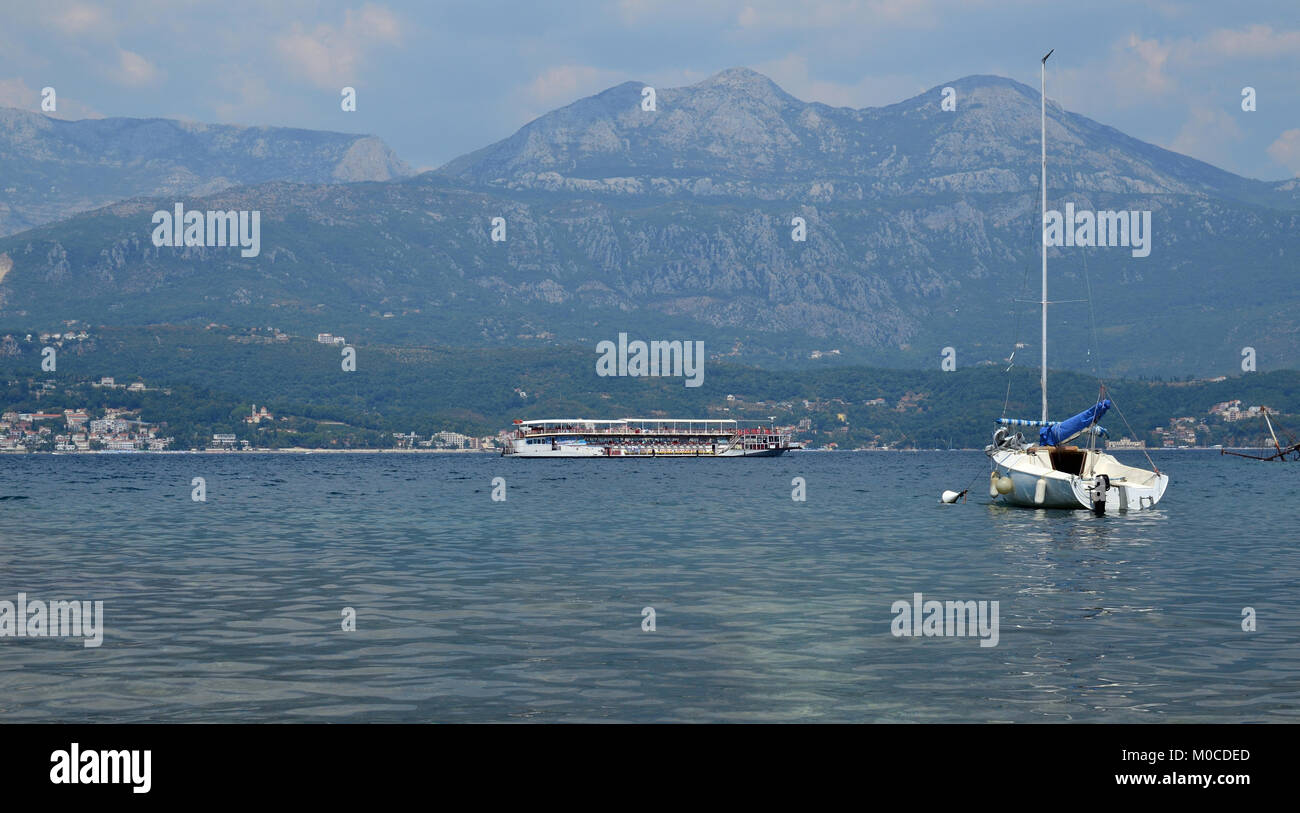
(640,426)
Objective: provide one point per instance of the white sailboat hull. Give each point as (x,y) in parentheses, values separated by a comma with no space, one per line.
(1037,484)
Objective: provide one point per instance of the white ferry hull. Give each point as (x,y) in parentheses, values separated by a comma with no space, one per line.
(645,437)
(521,450)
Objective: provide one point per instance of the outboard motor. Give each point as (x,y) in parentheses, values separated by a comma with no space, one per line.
(1097,492)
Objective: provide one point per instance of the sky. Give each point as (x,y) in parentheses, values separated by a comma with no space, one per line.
(438,79)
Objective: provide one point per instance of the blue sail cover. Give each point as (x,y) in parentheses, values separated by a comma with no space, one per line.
(1058,433)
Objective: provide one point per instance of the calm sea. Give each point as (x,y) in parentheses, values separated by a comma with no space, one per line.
(530,609)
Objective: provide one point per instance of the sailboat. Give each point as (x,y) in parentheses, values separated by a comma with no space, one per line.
(1279,452)
(1051,473)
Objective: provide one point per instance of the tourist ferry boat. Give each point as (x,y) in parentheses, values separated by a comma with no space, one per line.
(645,437)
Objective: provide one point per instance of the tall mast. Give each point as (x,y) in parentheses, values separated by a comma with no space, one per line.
(1276,445)
(1042,175)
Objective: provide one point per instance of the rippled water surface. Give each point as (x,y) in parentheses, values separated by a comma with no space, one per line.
(766,609)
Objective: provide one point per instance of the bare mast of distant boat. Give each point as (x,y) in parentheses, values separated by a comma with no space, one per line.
(1279,453)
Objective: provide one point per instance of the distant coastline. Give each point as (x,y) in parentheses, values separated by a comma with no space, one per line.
(497,452)
(291,450)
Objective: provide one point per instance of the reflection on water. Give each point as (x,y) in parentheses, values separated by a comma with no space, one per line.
(530,609)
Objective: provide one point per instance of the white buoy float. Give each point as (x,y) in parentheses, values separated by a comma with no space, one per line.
(950,496)
(999,485)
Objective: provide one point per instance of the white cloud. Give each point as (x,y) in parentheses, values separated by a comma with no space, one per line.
(706,12)
(1286,150)
(243,95)
(1145,65)
(563,84)
(134,70)
(793,75)
(1146,61)
(1254,42)
(1208,135)
(333,56)
(782,14)
(17,93)
(78,19)
(1142,71)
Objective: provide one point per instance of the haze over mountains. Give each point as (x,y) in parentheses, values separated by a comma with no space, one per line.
(922,231)
(51,169)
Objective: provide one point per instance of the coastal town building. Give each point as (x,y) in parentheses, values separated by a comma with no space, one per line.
(255,417)
(75,430)
(452,440)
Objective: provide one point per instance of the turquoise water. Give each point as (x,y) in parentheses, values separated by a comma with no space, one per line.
(766,609)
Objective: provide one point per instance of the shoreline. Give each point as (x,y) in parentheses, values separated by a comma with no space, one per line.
(305,451)
(290,450)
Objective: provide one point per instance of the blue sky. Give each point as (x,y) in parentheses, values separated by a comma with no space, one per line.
(438,79)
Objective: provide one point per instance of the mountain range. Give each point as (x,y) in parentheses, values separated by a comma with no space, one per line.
(921,233)
(51,169)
